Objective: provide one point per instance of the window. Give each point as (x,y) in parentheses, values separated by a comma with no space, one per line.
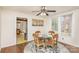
(66,24)
(55,24)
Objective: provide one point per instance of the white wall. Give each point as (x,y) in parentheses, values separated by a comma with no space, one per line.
(0,29)
(8,26)
(74,39)
(76,28)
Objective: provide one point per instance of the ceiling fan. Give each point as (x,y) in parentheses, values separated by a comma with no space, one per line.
(43,11)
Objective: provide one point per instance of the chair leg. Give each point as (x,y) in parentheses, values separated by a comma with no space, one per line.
(36,48)
(55,49)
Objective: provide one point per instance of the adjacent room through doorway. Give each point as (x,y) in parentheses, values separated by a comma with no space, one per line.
(21,30)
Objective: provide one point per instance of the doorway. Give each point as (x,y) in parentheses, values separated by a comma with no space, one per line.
(21,30)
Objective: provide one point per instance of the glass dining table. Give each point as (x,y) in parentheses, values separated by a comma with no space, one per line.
(45,38)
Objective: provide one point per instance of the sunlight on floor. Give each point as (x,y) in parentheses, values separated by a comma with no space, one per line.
(21,40)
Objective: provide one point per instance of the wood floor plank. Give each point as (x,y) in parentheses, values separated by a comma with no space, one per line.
(20,48)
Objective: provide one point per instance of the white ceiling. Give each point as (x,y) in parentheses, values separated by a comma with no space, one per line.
(29,9)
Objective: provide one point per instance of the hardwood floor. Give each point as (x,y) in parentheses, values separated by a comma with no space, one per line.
(71,48)
(20,48)
(14,49)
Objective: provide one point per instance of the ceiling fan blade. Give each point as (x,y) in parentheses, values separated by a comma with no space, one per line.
(47,14)
(38,14)
(51,10)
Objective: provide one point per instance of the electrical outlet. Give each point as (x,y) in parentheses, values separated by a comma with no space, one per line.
(62,38)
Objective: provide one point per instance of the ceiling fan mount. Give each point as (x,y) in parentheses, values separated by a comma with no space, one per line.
(43,11)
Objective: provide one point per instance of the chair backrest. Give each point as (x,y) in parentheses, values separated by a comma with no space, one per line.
(36,36)
(51,33)
(54,35)
(37,33)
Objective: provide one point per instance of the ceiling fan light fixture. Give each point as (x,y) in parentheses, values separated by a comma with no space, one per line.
(43,14)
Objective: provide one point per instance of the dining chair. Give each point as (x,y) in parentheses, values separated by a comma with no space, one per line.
(38,40)
(53,41)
